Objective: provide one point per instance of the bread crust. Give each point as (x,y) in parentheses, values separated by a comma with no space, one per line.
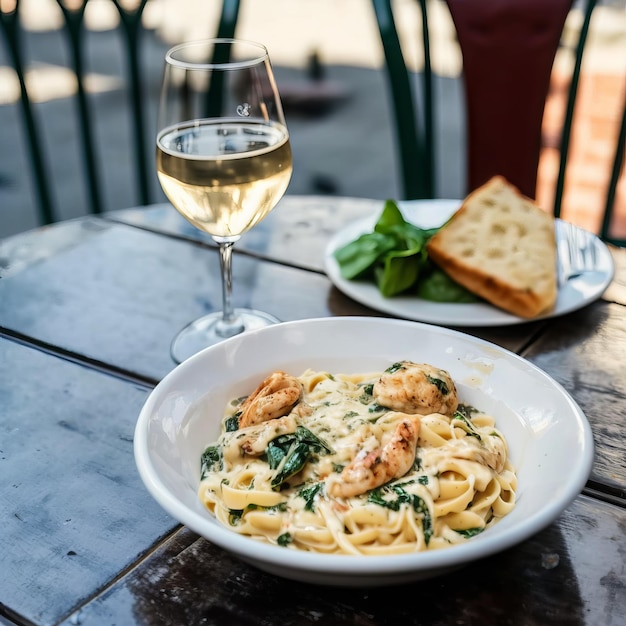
(501,246)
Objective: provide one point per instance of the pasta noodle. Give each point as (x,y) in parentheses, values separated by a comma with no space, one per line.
(362,464)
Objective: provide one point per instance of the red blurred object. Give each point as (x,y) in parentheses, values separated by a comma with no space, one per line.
(506,90)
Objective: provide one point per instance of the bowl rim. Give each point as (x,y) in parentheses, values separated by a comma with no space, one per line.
(373,565)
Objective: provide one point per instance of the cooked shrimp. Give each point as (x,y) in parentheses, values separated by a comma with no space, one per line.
(371,469)
(274,397)
(416,389)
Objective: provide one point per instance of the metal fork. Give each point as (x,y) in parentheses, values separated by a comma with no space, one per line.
(576,249)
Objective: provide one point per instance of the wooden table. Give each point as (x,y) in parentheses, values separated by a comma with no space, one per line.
(87,312)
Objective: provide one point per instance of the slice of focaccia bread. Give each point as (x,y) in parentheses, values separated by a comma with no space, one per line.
(501,246)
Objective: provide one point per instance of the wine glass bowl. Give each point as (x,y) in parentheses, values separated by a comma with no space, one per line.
(223,159)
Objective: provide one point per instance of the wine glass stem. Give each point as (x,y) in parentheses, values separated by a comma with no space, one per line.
(230,324)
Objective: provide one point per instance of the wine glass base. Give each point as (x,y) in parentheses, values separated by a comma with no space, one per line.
(209,330)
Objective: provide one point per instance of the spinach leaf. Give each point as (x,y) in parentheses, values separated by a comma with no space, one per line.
(210,461)
(278,447)
(420,507)
(231,424)
(368,393)
(284,540)
(441,385)
(316,444)
(466,410)
(393,496)
(275,454)
(293,451)
(396,367)
(437,286)
(308,495)
(390,497)
(464,423)
(356,257)
(399,270)
(393,254)
(295,461)
(469,532)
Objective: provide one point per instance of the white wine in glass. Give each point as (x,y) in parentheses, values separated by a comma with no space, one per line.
(223,160)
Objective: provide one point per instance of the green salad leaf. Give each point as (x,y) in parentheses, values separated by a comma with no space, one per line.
(439,287)
(360,255)
(394,256)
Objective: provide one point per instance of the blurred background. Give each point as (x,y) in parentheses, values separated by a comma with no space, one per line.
(329,66)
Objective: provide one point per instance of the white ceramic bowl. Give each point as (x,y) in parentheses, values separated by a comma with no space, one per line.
(550,440)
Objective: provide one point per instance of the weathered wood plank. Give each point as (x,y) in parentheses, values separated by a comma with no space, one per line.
(557,577)
(121,295)
(73,510)
(584,351)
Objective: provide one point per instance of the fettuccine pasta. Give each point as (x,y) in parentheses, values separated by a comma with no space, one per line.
(361,464)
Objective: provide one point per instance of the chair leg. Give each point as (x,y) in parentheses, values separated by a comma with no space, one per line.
(616,172)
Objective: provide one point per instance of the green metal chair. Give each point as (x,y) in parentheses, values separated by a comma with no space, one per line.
(508,50)
(618,168)
(131,31)
(414,133)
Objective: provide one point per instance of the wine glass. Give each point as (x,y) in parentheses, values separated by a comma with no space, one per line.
(223,160)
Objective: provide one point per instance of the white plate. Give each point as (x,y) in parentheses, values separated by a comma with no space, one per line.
(575,294)
(550,440)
